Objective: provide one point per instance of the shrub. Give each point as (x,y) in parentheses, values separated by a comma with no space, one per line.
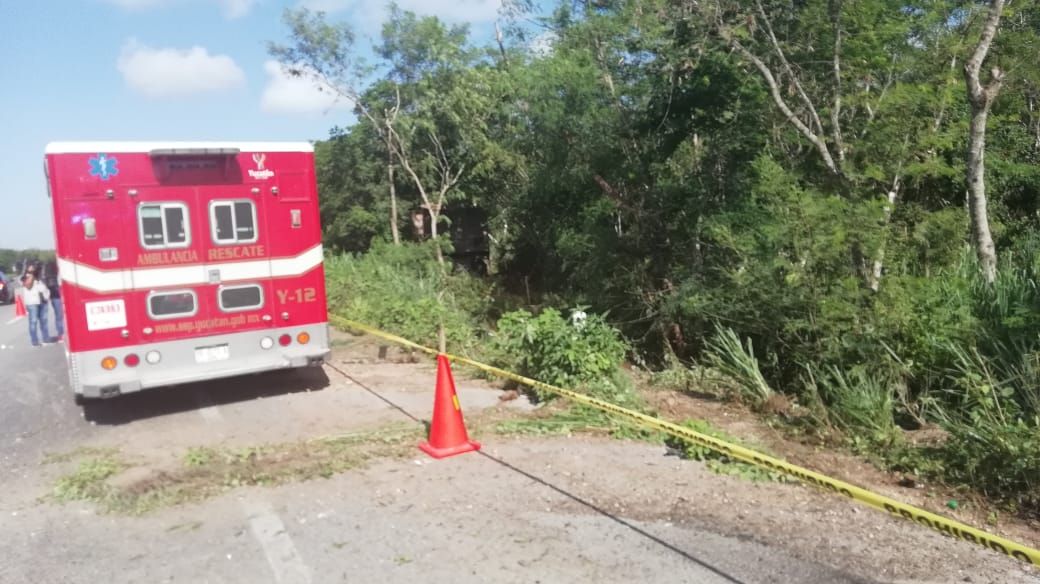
(402,289)
(859,402)
(1000,459)
(990,413)
(728,355)
(584,352)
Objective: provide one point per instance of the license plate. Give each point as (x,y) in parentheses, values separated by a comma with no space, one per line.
(211,354)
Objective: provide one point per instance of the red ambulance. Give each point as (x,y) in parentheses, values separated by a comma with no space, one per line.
(186,261)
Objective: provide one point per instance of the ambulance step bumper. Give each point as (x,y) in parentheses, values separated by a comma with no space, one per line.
(179,364)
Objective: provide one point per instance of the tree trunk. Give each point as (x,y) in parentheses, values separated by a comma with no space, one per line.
(981,99)
(393,197)
(980,233)
(874,278)
(433,236)
(501,45)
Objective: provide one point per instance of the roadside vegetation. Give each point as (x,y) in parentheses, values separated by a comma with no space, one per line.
(11,259)
(115,484)
(782,204)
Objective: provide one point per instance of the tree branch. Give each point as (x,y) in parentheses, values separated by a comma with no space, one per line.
(612,194)
(839,145)
(402,157)
(790,71)
(501,45)
(871,111)
(982,96)
(778,99)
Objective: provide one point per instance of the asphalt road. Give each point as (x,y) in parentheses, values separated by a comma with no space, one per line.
(520,511)
(37,413)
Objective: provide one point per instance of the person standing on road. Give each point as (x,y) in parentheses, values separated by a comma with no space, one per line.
(36,297)
(54,287)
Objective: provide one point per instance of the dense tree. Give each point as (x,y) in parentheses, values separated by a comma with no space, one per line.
(626,149)
(795,171)
(431,110)
(981,98)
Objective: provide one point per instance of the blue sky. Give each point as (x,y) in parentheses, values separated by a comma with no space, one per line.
(159,70)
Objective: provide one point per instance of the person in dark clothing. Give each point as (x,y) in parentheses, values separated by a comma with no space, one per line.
(53,281)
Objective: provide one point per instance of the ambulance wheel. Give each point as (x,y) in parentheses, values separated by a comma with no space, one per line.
(79,399)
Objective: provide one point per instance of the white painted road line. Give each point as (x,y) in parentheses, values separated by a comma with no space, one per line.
(268,529)
(15,319)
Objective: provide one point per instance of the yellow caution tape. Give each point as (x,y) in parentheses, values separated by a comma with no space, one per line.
(891,506)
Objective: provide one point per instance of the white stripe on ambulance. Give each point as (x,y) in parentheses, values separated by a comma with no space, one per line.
(104,281)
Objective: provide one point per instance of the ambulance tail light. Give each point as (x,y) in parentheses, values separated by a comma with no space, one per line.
(284,340)
(109,363)
(132,360)
(152,357)
(303,338)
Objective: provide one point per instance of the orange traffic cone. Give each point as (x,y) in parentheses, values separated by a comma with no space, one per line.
(447,431)
(19,306)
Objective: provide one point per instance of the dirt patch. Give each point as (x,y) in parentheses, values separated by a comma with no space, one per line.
(638,481)
(134,486)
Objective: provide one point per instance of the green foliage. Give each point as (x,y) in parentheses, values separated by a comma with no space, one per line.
(635,161)
(353,187)
(584,352)
(88,480)
(731,358)
(992,412)
(573,420)
(208,472)
(716,461)
(199,456)
(858,401)
(8,257)
(403,290)
(998,458)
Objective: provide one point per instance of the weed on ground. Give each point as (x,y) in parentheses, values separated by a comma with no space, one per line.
(117,485)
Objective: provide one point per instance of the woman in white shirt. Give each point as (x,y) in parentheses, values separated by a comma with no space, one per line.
(37,298)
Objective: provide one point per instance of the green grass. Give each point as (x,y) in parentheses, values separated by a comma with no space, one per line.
(716,461)
(87,482)
(574,419)
(206,472)
(199,456)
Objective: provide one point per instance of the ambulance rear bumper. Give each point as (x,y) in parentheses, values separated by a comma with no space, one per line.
(180,363)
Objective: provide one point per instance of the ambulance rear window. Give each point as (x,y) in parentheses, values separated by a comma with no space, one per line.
(248,297)
(233,221)
(171,304)
(163,225)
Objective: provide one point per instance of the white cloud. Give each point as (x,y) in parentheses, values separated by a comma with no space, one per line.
(288,94)
(232,8)
(177,72)
(237,8)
